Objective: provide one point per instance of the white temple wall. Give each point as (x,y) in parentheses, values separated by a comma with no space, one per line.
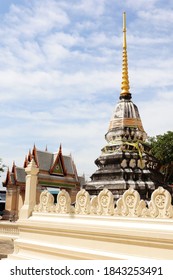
(95,228)
(60,236)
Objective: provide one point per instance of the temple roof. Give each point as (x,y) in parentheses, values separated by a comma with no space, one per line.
(45,160)
(53,167)
(20,174)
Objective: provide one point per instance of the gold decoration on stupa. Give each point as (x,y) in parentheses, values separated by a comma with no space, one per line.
(125,79)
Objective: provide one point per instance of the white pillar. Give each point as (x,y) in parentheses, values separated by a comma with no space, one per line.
(30,190)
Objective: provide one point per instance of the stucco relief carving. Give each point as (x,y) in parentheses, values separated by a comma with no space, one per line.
(132,163)
(94,205)
(160,204)
(131,205)
(63,205)
(46,202)
(105,203)
(82,202)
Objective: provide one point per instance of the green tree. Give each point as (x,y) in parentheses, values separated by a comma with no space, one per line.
(1,166)
(162,149)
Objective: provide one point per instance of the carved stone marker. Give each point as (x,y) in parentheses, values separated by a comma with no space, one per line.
(160,204)
(82,202)
(46,202)
(64,203)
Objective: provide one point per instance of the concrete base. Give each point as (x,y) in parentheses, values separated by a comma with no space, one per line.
(58,236)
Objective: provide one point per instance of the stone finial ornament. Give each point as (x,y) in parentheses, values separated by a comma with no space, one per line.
(46,202)
(82,202)
(130,204)
(160,204)
(63,205)
(32,167)
(105,203)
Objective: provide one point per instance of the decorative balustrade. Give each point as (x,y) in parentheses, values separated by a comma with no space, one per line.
(129,205)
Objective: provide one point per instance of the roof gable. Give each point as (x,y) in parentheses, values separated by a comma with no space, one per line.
(8,178)
(58,167)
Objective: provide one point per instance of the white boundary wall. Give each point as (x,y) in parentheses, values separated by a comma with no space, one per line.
(52,236)
(95,228)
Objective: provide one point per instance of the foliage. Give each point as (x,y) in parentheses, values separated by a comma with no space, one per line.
(162,149)
(1,166)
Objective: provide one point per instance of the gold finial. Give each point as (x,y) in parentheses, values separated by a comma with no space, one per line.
(125,79)
(124,31)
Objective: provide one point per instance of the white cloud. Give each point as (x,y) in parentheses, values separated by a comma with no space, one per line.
(144,41)
(91,7)
(39,17)
(157,116)
(140,4)
(161,17)
(54,85)
(151,77)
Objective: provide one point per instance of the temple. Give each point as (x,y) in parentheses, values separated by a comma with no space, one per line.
(56,172)
(125,161)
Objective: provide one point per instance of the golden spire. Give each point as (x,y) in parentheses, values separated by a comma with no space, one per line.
(125,79)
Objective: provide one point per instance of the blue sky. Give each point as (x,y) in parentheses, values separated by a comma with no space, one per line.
(60,73)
